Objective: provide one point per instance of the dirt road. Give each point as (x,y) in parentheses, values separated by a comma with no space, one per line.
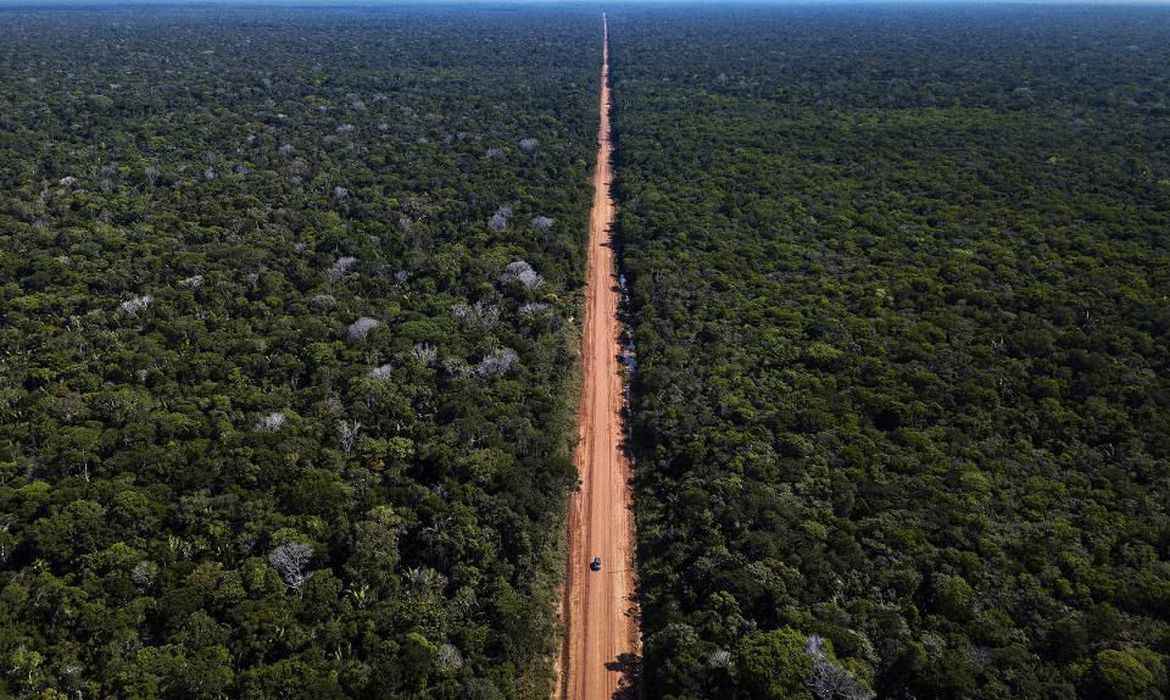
(601,629)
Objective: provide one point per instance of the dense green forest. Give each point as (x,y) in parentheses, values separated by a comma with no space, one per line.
(286,348)
(900,295)
(288,305)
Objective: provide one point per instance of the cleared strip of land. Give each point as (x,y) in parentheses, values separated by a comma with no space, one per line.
(602,635)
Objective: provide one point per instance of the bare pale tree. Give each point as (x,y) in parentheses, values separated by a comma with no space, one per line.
(828,681)
(348,431)
(342,267)
(291,560)
(499,220)
(449,658)
(479,316)
(499,362)
(271,423)
(425,353)
(133,306)
(382,372)
(359,329)
(144,574)
(520,271)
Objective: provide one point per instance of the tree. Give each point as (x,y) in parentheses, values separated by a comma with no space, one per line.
(291,560)
(774,664)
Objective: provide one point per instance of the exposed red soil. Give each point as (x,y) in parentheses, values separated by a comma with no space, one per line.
(599,607)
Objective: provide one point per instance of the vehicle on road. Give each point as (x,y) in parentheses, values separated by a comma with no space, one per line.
(595,565)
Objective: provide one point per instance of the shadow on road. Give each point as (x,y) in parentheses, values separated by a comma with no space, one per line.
(630,665)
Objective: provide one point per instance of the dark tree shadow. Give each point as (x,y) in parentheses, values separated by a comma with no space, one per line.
(630,666)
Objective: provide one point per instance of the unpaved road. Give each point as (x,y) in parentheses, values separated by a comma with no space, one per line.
(601,626)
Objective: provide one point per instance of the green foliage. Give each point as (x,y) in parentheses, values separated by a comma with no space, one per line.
(774,664)
(1128,673)
(209,485)
(953,598)
(897,289)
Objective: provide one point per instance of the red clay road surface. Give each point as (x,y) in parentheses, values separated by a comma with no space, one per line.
(599,612)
